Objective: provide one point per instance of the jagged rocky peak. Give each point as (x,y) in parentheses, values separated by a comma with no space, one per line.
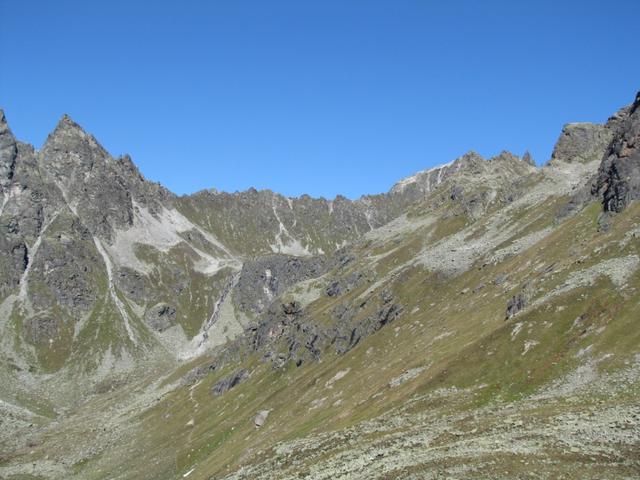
(87,177)
(99,189)
(618,179)
(8,152)
(527,158)
(69,152)
(581,143)
(70,137)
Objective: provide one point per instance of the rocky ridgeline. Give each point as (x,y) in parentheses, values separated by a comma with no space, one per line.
(82,230)
(89,245)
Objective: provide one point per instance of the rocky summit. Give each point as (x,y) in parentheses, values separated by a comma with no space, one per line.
(479,320)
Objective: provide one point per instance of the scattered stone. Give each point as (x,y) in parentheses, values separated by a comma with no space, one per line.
(500,279)
(260,418)
(406,376)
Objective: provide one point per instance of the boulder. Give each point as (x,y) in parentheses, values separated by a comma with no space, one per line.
(260,418)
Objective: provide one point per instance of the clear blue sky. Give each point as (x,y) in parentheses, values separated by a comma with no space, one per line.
(320,97)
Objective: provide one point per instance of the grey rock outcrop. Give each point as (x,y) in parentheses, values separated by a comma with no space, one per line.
(260,418)
(581,142)
(227,383)
(161,316)
(519,301)
(528,159)
(8,153)
(264,278)
(618,179)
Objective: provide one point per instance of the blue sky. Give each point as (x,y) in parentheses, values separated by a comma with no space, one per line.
(325,97)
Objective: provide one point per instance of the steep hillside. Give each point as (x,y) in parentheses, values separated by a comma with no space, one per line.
(477,321)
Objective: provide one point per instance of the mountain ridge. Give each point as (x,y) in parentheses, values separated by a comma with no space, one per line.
(159,327)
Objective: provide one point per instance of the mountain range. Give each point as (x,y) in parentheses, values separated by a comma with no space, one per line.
(479,320)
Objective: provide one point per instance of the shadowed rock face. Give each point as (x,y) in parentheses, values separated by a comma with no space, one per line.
(618,179)
(8,153)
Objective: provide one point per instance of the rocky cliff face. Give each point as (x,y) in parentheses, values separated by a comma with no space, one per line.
(618,180)
(581,142)
(90,249)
